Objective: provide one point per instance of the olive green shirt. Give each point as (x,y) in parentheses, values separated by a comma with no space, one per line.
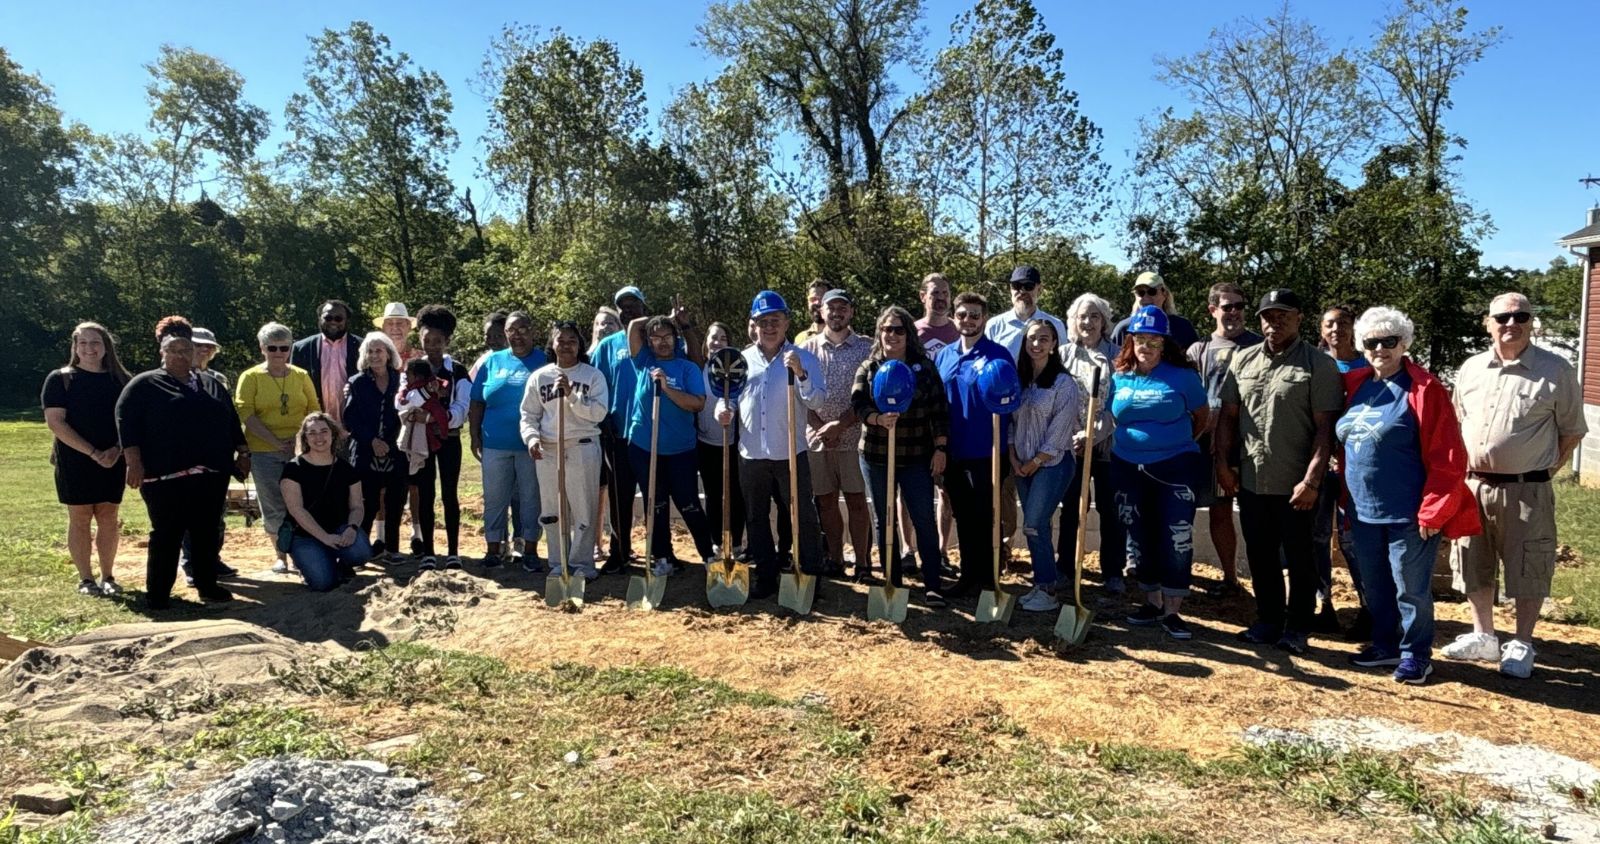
(1278,397)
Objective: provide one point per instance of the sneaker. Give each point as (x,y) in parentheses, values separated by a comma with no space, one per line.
(87,586)
(427,564)
(1039,601)
(1147,615)
(225,570)
(532,564)
(278,567)
(1516,659)
(1413,671)
(1261,633)
(1294,642)
(1176,627)
(491,561)
(933,599)
(662,568)
(1374,657)
(215,595)
(188,579)
(453,561)
(614,564)
(110,587)
(1115,586)
(1482,647)
(585,572)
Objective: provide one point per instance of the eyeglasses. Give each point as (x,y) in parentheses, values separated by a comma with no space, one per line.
(1519,317)
(1231,307)
(1389,342)
(894,330)
(279,349)
(1024,285)
(966,315)
(1147,340)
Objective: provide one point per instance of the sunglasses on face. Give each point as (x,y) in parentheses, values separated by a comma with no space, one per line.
(895,330)
(966,315)
(1024,286)
(1146,292)
(1372,343)
(1231,307)
(277,348)
(1519,317)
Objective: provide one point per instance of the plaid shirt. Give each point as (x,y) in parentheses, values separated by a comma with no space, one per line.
(927,420)
(840,361)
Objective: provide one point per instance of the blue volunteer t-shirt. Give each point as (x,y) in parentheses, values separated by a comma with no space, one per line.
(611,357)
(500,383)
(677,433)
(1382,452)
(1355,363)
(1152,413)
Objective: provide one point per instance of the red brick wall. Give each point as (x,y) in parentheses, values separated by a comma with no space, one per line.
(1591,333)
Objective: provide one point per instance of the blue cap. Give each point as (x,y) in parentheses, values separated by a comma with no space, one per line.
(999,386)
(893,386)
(1149,320)
(728,371)
(767,302)
(1024,274)
(630,290)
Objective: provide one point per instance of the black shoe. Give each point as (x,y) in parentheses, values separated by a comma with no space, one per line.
(1177,628)
(1294,642)
(933,599)
(743,555)
(379,548)
(832,568)
(615,564)
(962,589)
(215,595)
(864,576)
(759,591)
(1261,633)
(491,561)
(225,570)
(1147,615)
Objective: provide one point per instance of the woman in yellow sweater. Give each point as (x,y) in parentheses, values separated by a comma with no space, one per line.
(272,398)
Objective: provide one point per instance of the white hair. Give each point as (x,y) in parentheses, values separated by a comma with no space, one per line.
(273,331)
(380,339)
(1075,310)
(1384,321)
(1521,300)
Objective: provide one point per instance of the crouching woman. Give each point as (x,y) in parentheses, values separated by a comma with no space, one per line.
(322,495)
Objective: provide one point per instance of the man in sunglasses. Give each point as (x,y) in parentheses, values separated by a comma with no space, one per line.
(1521,416)
(329,356)
(1151,289)
(1007,328)
(1279,400)
(1212,355)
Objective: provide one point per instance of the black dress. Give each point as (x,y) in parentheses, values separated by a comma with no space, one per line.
(90,399)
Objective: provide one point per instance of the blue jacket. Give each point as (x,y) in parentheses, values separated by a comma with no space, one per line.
(370,414)
(971,423)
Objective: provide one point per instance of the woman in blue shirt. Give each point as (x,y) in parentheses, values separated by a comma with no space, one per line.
(1160,407)
(495,420)
(658,366)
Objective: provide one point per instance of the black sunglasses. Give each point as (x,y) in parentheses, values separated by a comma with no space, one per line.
(1389,342)
(1519,317)
(1024,285)
(1231,307)
(893,329)
(333,318)
(277,348)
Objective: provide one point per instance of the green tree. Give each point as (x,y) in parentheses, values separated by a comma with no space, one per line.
(197,107)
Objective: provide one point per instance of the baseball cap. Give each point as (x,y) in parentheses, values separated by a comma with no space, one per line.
(630,290)
(836,293)
(1024,273)
(1282,299)
(1149,279)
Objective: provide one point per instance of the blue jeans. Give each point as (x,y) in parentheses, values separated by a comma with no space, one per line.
(509,477)
(1397,567)
(1156,503)
(323,566)
(677,478)
(914,482)
(1040,493)
(1328,514)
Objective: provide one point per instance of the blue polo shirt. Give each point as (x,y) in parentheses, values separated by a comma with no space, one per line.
(971,423)
(677,433)
(502,378)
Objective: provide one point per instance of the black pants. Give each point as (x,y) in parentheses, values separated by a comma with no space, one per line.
(710,457)
(190,505)
(393,486)
(619,494)
(424,482)
(1276,534)
(766,482)
(1113,541)
(972,504)
(449,460)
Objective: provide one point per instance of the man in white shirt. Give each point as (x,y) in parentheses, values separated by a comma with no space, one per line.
(1006,328)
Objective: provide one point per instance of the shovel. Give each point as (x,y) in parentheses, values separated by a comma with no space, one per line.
(888,602)
(646,593)
(797,590)
(562,588)
(995,606)
(727,580)
(1072,626)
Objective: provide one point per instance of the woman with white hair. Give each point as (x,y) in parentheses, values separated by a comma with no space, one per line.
(1088,324)
(271,399)
(373,421)
(1405,469)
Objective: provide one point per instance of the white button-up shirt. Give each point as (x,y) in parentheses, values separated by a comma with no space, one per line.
(1006,329)
(763,415)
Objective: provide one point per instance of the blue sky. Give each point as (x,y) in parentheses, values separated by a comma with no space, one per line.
(1532,134)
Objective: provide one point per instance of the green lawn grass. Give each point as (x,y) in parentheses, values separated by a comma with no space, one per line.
(1578,525)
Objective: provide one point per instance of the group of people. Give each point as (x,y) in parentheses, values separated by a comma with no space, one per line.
(1346,438)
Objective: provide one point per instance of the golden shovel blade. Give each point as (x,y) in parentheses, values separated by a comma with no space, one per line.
(646,593)
(797,592)
(995,606)
(727,584)
(887,603)
(1072,626)
(560,590)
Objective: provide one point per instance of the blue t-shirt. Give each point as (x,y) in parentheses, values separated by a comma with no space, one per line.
(1152,413)
(971,423)
(611,357)
(501,380)
(677,433)
(1355,363)
(1382,452)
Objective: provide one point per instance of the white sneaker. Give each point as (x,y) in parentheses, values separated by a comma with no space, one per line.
(1516,659)
(662,568)
(1483,647)
(1039,601)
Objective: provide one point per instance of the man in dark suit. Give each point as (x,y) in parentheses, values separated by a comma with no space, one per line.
(330,355)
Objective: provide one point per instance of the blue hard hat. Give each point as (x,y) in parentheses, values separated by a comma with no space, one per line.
(768,302)
(893,387)
(999,386)
(728,371)
(1149,320)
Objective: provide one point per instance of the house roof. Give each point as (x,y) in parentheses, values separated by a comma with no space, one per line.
(1587,236)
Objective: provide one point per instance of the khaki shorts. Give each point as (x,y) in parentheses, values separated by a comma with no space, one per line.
(1519,533)
(833,472)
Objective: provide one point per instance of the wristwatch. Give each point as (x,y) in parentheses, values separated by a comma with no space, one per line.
(940,447)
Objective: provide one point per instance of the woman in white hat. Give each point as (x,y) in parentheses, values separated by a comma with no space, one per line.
(397,323)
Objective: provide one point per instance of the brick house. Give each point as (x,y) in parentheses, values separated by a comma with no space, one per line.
(1584,244)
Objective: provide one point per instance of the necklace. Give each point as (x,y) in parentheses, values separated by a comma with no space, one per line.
(283,392)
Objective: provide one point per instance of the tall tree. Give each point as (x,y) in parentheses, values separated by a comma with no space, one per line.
(197,107)
(376,129)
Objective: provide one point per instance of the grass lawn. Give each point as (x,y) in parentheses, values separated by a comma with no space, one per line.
(1578,525)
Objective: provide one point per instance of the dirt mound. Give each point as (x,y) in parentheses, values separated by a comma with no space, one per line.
(429,605)
(128,677)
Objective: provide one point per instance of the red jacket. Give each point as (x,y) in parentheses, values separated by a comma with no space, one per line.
(1447,504)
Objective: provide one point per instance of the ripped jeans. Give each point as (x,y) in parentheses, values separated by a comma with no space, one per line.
(1155,503)
(1041,493)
